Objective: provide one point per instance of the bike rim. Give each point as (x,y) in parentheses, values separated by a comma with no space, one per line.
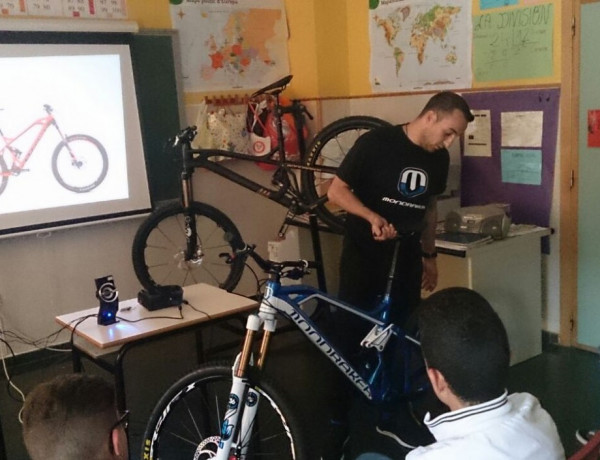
(189,425)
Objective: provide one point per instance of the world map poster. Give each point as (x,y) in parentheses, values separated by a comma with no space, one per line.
(231,44)
(420,45)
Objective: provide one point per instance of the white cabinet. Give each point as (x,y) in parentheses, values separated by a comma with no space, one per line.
(508,273)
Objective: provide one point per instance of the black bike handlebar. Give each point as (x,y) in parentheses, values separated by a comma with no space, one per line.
(186,135)
(299,267)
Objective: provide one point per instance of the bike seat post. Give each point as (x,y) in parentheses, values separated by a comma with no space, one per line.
(390,281)
(279,126)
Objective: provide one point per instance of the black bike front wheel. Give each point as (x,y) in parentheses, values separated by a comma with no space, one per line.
(159,248)
(186,422)
(329,148)
(79,163)
(4,174)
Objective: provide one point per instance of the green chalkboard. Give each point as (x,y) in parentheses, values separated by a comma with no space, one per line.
(156,86)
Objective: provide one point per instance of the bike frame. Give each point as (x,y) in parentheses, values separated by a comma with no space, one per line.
(18,163)
(200,158)
(374,383)
(288,194)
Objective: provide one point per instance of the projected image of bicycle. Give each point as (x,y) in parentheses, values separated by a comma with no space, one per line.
(79,162)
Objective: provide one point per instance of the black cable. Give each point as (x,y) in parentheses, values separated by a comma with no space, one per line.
(78,321)
(9,380)
(196,309)
(255,277)
(151,317)
(33,342)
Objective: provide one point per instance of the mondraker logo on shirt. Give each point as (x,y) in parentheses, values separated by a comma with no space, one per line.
(412,182)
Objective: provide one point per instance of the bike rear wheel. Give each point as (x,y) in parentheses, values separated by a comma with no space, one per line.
(80,163)
(3,175)
(186,422)
(329,148)
(159,248)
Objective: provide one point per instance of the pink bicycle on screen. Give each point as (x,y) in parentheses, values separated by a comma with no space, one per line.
(79,162)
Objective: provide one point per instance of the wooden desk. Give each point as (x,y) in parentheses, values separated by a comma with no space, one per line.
(206,305)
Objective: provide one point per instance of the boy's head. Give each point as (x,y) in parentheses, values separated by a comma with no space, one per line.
(73,417)
(464,339)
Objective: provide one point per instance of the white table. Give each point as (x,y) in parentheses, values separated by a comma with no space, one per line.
(206,305)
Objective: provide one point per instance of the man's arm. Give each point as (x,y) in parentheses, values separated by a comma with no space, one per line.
(430,272)
(341,194)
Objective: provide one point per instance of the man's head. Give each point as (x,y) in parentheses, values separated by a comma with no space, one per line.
(443,119)
(73,417)
(465,345)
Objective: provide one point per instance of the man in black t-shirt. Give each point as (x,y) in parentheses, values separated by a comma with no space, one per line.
(388,183)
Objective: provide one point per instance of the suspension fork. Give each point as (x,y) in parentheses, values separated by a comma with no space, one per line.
(241,392)
(243,400)
(63,137)
(191,234)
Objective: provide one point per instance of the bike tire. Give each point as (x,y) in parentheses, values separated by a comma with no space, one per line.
(91,156)
(159,247)
(328,148)
(3,175)
(186,422)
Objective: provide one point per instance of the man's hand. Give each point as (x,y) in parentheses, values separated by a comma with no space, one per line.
(381,229)
(430,275)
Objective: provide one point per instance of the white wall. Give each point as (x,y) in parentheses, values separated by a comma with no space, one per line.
(51,273)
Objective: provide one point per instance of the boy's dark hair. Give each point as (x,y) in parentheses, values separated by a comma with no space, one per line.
(447,102)
(69,417)
(464,339)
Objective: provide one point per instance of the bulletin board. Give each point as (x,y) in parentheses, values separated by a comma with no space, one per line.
(501,177)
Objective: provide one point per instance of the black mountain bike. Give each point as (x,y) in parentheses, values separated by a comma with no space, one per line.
(183,243)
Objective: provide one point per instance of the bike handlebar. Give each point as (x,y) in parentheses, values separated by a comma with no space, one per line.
(185,135)
(299,267)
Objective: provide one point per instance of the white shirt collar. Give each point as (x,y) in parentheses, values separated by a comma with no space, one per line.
(464,421)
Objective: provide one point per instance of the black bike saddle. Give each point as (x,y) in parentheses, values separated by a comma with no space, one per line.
(274,88)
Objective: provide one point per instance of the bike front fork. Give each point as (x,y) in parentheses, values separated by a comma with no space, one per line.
(243,403)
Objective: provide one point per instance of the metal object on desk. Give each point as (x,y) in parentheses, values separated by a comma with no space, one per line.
(490,220)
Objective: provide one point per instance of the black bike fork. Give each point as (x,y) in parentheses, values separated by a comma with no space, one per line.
(191,235)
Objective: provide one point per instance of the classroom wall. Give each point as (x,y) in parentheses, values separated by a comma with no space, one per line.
(51,273)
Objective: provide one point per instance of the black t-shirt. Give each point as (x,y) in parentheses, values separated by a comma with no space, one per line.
(393,177)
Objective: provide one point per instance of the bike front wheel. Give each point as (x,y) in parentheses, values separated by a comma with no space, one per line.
(186,422)
(329,148)
(80,163)
(159,248)
(4,174)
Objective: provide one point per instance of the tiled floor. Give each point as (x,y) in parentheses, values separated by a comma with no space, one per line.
(565,380)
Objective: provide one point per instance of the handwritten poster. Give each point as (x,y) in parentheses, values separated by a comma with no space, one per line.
(513,44)
(520,166)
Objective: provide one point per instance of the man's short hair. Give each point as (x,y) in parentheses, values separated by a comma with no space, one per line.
(69,417)
(446,102)
(464,339)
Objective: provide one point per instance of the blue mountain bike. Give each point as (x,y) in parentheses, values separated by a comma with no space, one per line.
(225,412)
